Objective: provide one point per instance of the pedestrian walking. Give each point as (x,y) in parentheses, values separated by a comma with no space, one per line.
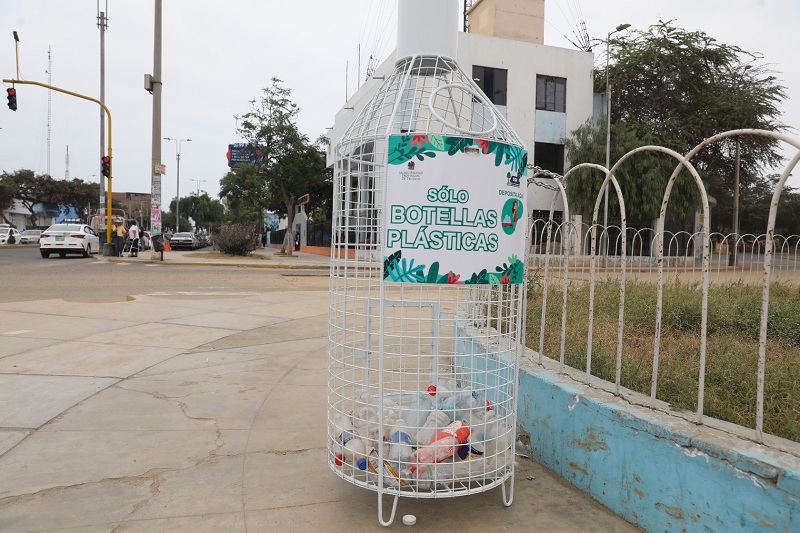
(133,235)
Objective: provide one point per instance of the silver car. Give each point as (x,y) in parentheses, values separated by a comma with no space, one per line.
(30,236)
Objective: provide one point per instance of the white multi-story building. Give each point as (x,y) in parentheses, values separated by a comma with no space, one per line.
(544,91)
(19,216)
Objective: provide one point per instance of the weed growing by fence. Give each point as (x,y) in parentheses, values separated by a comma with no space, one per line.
(732,346)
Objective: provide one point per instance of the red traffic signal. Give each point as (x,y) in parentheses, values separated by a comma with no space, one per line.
(12,98)
(105,166)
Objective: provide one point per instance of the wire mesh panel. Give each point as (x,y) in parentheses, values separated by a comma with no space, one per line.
(423,349)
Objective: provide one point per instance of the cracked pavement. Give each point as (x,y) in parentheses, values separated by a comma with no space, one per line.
(176,412)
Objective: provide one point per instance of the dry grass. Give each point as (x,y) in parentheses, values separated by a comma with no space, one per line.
(732,346)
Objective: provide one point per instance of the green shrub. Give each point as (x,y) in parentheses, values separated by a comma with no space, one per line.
(236,239)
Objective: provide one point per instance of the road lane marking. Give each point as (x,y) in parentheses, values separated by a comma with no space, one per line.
(20,332)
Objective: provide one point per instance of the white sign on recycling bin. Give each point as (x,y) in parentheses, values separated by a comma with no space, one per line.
(455,210)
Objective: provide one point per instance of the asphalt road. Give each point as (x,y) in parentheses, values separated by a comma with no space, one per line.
(26,276)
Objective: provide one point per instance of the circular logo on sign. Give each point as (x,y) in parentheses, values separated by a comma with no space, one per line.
(512,213)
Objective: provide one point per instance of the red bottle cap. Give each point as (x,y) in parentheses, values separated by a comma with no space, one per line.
(339,460)
(432,390)
(462,434)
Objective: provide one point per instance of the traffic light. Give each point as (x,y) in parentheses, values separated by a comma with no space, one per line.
(106,166)
(12,98)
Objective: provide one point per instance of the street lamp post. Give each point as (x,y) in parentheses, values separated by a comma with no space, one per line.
(178,191)
(732,249)
(608,127)
(198,182)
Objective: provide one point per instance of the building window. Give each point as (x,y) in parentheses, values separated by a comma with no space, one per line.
(493,82)
(551,93)
(549,157)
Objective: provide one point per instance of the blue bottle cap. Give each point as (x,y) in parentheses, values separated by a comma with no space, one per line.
(463,452)
(361,464)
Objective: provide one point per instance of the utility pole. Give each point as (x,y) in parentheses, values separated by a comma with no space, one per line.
(178,200)
(154,86)
(102,23)
(49,105)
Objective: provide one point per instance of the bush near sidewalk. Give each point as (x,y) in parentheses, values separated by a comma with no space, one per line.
(236,239)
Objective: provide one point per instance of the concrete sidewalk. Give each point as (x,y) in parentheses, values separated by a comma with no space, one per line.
(204,413)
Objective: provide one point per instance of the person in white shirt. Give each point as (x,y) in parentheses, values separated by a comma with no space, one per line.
(133,235)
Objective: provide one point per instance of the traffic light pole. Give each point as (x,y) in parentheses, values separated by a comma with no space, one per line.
(108,114)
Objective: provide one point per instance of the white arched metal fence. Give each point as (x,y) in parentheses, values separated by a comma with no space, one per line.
(576,254)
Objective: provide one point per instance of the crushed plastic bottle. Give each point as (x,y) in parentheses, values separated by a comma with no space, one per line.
(391,476)
(443,445)
(429,477)
(435,421)
(419,407)
(400,447)
(353,449)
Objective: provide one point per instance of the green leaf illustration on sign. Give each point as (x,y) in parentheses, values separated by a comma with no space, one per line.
(388,262)
(437,141)
(403,271)
(397,269)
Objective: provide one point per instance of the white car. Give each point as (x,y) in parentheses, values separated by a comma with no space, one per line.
(146,240)
(6,232)
(30,236)
(63,239)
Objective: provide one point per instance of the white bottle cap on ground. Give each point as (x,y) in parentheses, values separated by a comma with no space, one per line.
(409,519)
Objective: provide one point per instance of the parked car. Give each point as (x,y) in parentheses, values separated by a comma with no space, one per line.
(7,232)
(184,241)
(66,239)
(147,240)
(30,236)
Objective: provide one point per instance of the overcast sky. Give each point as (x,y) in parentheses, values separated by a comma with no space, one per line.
(217,56)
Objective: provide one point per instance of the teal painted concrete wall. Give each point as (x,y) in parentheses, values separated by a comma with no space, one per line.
(655,469)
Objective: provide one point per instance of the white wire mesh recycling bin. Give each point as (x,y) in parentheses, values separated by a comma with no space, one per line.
(427,289)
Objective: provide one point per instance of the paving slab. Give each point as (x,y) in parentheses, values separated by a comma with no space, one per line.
(59,459)
(37,325)
(45,397)
(220,319)
(160,335)
(13,345)
(10,437)
(86,359)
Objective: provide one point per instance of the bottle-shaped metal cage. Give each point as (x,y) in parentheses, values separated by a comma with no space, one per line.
(416,354)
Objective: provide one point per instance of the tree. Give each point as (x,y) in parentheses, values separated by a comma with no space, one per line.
(8,191)
(288,165)
(31,189)
(204,211)
(245,191)
(674,88)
